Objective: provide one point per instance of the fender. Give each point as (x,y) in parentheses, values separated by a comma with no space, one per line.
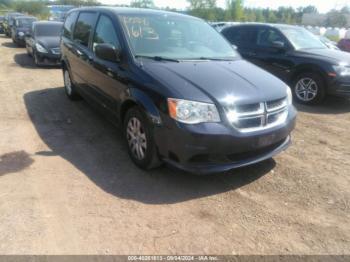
(137,96)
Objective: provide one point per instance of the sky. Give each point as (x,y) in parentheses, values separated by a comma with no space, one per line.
(323,6)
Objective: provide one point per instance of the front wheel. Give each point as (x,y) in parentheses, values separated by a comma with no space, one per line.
(309,89)
(69,86)
(36,59)
(139,138)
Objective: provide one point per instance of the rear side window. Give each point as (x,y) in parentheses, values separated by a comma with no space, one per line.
(84,27)
(105,33)
(69,24)
(241,36)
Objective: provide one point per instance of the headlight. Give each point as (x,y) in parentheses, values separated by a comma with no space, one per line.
(20,34)
(342,70)
(40,48)
(289,96)
(191,112)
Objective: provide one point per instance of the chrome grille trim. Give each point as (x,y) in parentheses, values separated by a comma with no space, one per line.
(56,51)
(266,115)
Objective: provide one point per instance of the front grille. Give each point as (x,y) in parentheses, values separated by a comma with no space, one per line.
(56,51)
(258,116)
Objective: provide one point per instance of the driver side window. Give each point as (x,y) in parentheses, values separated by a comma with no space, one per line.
(105,33)
(267,36)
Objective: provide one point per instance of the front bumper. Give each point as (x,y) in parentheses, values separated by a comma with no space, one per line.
(340,86)
(49,59)
(20,40)
(216,147)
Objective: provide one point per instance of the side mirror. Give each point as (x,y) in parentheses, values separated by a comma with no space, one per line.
(279,45)
(107,52)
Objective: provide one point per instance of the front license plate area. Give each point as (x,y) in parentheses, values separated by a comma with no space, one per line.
(266,140)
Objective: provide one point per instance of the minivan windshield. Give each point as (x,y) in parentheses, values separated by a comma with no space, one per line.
(48,29)
(175,37)
(302,39)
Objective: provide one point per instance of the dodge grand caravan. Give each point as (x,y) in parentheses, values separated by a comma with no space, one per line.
(179,90)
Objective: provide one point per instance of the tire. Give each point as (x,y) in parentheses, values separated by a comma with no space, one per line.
(28,53)
(138,135)
(69,87)
(309,89)
(36,60)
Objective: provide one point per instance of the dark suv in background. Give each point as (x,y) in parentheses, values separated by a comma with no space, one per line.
(179,90)
(9,21)
(21,28)
(296,56)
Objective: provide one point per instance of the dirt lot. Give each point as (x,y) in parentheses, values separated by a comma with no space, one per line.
(67,185)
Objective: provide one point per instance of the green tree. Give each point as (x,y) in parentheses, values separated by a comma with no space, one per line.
(309,10)
(336,19)
(5,3)
(205,9)
(142,4)
(78,2)
(234,10)
(36,8)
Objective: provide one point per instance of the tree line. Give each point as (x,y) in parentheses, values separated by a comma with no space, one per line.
(206,9)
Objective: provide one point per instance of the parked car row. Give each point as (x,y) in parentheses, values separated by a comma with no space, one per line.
(41,38)
(180,91)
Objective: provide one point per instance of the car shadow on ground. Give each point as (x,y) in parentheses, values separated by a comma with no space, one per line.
(331,105)
(77,133)
(26,61)
(10,45)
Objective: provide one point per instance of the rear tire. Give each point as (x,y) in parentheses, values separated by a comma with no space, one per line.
(309,89)
(138,135)
(69,87)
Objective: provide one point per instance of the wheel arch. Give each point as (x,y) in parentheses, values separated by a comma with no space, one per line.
(139,98)
(309,68)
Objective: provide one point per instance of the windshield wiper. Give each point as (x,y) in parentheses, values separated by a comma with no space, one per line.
(215,59)
(158,58)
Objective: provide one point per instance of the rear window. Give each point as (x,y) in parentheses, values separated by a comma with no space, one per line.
(48,29)
(69,24)
(83,28)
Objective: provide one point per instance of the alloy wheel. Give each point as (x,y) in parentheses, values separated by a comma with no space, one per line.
(306,89)
(136,138)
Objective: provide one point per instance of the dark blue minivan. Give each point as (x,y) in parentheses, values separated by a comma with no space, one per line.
(178,89)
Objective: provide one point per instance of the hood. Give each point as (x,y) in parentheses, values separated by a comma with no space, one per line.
(222,82)
(330,55)
(49,42)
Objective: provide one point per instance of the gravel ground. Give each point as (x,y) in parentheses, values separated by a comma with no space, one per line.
(67,185)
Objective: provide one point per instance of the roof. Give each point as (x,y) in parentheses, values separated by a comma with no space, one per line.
(129,11)
(24,17)
(280,26)
(48,23)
